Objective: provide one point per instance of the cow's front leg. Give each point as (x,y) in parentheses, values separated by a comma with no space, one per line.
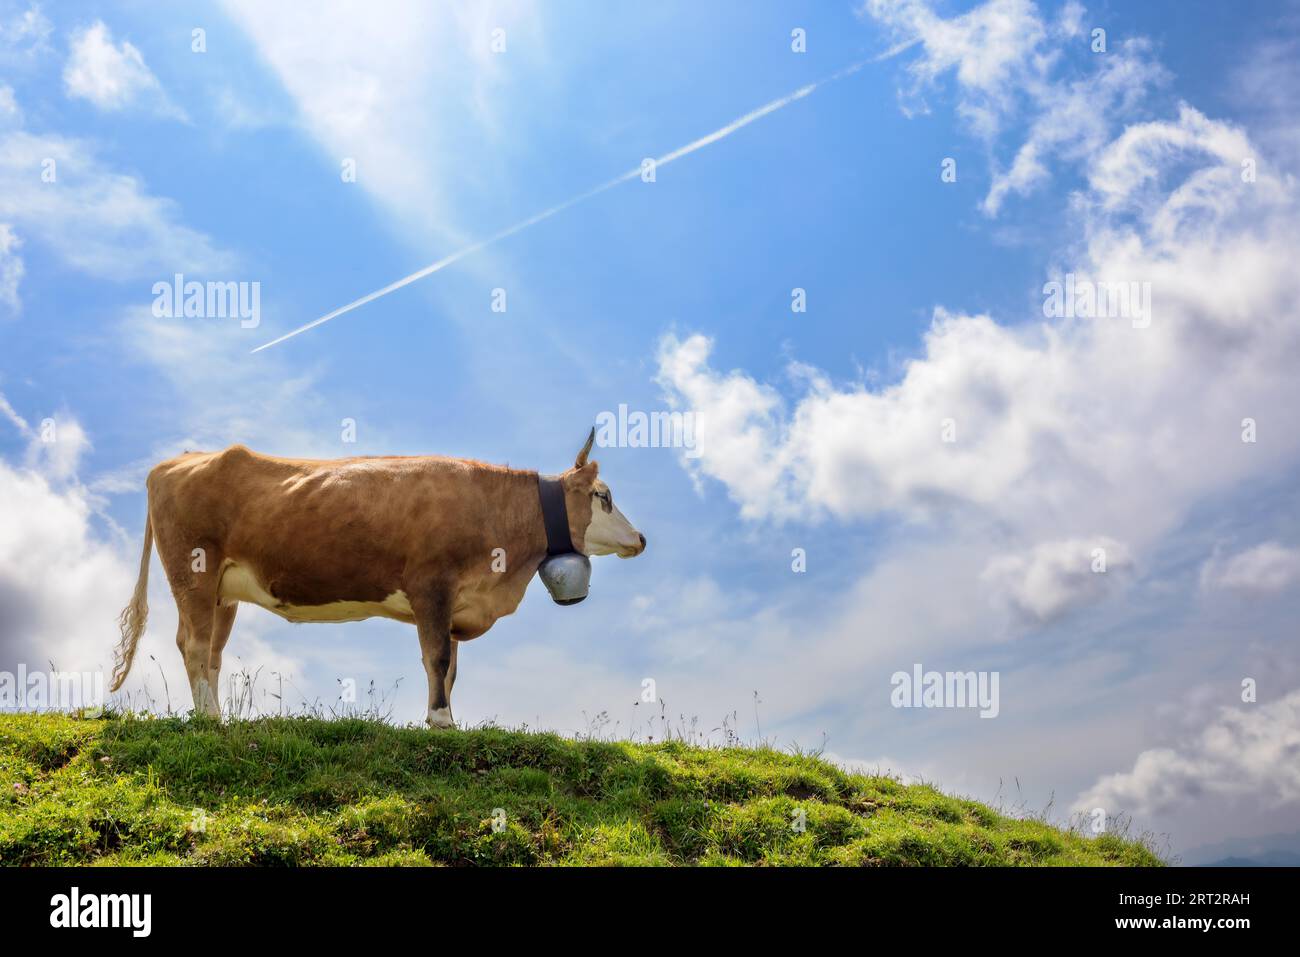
(433,621)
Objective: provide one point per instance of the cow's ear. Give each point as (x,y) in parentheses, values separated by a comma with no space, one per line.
(581,460)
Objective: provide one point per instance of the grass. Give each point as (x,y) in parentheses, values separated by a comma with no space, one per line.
(123,790)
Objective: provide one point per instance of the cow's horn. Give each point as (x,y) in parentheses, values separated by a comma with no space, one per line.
(581,460)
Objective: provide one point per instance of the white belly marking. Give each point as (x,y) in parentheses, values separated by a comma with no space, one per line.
(239,584)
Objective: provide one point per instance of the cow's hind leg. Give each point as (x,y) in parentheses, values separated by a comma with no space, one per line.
(450,680)
(223,620)
(193,573)
(433,621)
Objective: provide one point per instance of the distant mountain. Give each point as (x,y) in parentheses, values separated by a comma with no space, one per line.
(1264,850)
(1267,859)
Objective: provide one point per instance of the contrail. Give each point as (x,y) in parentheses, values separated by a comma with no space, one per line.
(9,412)
(676,154)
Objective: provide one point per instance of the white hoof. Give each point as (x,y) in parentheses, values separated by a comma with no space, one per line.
(441,718)
(205,699)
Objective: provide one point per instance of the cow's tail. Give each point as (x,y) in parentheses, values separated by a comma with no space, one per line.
(134,615)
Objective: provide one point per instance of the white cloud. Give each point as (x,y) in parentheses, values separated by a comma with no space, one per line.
(98,220)
(1261,86)
(10,114)
(384,86)
(111,77)
(1065,428)
(47,551)
(50,551)
(66,571)
(56,190)
(1070,22)
(1073,120)
(1053,578)
(61,586)
(1003,56)
(991,49)
(1248,753)
(54,447)
(742,428)
(239,112)
(210,377)
(16,420)
(24,36)
(57,450)
(11,270)
(1265,568)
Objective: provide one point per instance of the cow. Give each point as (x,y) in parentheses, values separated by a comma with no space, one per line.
(448,545)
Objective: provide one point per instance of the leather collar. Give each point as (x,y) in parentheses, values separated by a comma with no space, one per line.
(555,515)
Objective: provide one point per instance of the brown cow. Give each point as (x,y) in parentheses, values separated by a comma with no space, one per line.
(448,545)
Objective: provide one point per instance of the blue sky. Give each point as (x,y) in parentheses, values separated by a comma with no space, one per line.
(817,430)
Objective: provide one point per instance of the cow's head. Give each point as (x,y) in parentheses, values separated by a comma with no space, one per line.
(595,523)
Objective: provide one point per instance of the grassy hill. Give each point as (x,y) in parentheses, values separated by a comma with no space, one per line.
(300,791)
